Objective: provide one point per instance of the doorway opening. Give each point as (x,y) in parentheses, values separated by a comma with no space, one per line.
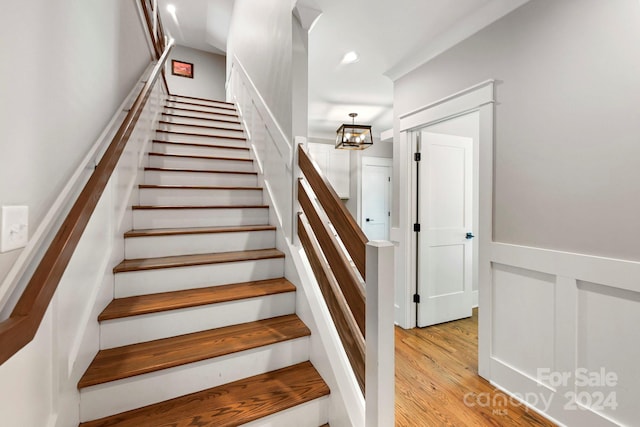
(446,218)
(376,197)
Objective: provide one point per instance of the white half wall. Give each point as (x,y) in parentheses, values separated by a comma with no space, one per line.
(260,36)
(209,74)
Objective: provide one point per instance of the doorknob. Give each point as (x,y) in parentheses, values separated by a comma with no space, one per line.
(368,220)
(469,236)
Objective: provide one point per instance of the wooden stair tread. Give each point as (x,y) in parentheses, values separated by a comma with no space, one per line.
(197,104)
(198,259)
(137,359)
(239,138)
(199,187)
(201,99)
(154,303)
(163,122)
(194,144)
(231,404)
(200,171)
(162,207)
(200,111)
(202,118)
(196,230)
(186,156)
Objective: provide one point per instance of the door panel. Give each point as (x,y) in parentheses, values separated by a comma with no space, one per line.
(376,199)
(445,203)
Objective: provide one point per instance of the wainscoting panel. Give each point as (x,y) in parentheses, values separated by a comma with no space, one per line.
(564,333)
(523,318)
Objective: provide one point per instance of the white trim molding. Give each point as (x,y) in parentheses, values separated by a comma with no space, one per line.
(463,29)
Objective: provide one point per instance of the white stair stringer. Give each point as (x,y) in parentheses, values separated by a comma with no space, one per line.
(199,196)
(130,393)
(142,282)
(190,244)
(165,324)
(223,163)
(199,217)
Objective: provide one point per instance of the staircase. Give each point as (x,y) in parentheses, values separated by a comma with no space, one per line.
(202,330)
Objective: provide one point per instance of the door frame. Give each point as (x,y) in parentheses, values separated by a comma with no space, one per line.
(373,161)
(478,98)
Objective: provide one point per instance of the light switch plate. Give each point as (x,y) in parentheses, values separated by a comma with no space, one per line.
(14,230)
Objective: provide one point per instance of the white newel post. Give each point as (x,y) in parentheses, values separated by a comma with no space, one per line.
(380,344)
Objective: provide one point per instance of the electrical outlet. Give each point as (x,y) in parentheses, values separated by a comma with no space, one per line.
(14,233)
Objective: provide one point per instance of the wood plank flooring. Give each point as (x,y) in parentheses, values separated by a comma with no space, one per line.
(436,367)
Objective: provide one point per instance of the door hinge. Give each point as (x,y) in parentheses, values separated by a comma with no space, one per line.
(416,228)
(389,178)
(416,157)
(416,298)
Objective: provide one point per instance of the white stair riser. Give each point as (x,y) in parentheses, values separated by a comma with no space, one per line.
(204,108)
(310,414)
(154,177)
(134,283)
(181,110)
(200,139)
(200,164)
(184,118)
(123,395)
(173,218)
(190,244)
(148,327)
(175,127)
(192,150)
(212,103)
(198,197)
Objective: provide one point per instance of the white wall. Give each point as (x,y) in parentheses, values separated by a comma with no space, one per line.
(78,63)
(209,74)
(66,66)
(261,37)
(566,128)
(559,275)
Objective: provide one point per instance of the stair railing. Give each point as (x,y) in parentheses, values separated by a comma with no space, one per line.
(156,32)
(21,326)
(356,280)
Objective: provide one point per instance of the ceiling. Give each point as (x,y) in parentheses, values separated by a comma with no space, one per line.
(390,37)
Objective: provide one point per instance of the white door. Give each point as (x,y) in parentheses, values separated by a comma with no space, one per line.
(445,209)
(376,197)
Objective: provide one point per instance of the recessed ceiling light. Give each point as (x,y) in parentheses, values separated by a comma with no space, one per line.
(350,58)
(171,9)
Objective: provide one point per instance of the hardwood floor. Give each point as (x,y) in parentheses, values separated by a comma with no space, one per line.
(437,372)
